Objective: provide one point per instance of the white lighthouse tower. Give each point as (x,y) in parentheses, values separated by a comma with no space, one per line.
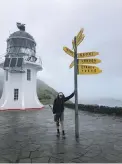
(20,72)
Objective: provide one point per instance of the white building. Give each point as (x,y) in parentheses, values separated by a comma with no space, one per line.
(20,72)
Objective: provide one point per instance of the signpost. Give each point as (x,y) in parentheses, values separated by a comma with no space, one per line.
(76,90)
(81,69)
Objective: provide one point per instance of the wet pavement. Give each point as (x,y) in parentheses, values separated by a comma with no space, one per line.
(30,136)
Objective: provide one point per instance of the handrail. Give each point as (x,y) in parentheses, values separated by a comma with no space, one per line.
(38,61)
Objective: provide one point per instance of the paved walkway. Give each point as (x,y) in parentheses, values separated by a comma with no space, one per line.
(29,136)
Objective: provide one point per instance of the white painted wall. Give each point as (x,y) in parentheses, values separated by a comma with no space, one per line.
(14,82)
(27,90)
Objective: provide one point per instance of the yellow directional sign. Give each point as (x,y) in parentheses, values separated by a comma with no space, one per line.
(86,61)
(87,67)
(89,61)
(80,36)
(68,51)
(80,33)
(87,54)
(78,40)
(80,55)
(72,64)
(87,70)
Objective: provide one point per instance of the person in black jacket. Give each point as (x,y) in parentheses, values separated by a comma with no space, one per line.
(58,110)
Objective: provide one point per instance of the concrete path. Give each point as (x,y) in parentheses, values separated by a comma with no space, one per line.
(30,136)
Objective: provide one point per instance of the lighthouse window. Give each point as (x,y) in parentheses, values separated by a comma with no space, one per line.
(20,51)
(28,74)
(16,94)
(7,75)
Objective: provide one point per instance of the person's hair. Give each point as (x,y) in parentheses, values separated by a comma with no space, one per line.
(61,93)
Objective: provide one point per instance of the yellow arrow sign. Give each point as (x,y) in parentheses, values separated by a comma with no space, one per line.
(72,64)
(78,40)
(89,72)
(87,54)
(80,33)
(80,55)
(86,61)
(68,51)
(89,61)
(85,69)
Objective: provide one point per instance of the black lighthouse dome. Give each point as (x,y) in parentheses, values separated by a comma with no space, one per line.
(21,43)
(21,34)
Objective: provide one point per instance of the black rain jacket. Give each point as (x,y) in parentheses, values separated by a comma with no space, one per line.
(58,105)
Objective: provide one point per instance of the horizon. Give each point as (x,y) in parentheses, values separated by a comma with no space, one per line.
(111,102)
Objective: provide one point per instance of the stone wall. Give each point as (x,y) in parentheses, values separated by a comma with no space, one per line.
(97,109)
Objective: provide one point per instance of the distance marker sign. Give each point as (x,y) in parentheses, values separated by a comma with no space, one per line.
(68,51)
(86,61)
(87,54)
(80,55)
(79,40)
(88,70)
(87,67)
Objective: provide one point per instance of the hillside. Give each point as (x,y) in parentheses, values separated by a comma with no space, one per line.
(45,93)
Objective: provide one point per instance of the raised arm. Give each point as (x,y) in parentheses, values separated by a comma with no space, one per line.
(69,97)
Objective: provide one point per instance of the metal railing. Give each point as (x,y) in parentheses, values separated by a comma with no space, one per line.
(31,60)
(38,59)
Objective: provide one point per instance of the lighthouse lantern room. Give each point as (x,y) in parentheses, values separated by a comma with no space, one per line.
(20,65)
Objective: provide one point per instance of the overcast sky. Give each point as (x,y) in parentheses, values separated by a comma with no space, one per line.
(54,23)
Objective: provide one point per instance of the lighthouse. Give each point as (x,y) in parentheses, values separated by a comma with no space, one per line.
(20,66)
